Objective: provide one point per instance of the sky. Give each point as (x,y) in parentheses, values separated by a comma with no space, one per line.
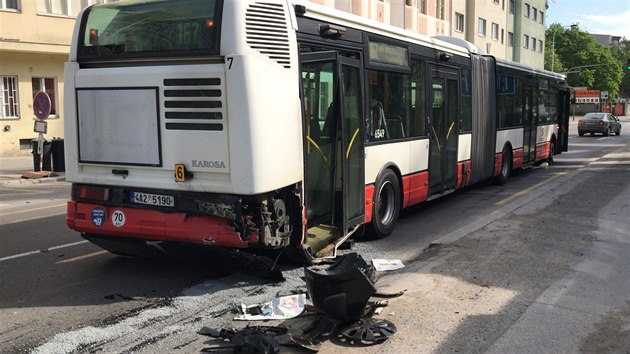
(596,17)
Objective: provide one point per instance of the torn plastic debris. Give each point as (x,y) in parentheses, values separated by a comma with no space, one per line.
(387,264)
(279,308)
(343,289)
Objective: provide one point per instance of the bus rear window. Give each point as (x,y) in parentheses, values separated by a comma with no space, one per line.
(140,28)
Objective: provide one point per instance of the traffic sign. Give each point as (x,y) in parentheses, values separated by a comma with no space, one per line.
(42,105)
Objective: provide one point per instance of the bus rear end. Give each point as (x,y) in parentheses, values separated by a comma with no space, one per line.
(173,135)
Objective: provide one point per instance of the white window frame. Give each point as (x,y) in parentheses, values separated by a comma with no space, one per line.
(541,19)
(481,27)
(422,6)
(4,6)
(510,39)
(9,98)
(535,14)
(540,46)
(526,41)
(534,44)
(511,6)
(494,31)
(459,22)
(43,88)
(70,8)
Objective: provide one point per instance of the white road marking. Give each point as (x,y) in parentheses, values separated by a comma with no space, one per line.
(42,251)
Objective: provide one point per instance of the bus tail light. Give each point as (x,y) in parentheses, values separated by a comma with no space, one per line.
(94,193)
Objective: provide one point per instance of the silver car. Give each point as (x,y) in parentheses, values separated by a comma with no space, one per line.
(603,123)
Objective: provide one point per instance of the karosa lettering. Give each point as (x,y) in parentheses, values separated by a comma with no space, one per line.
(208,164)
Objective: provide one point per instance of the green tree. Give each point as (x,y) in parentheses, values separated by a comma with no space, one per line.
(621,51)
(588,63)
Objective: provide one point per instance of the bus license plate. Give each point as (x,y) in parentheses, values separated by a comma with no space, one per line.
(152,199)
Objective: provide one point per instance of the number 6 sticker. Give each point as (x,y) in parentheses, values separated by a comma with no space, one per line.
(180,172)
(118,218)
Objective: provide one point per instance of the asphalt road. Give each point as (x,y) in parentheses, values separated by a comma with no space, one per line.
(537,265)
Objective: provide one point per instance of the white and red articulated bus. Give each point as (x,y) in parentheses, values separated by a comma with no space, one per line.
(282,125)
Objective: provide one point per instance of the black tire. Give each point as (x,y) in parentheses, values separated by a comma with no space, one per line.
(618,131)
(506,167)
(607,132)
(581,133)
(386,206)
(552,151)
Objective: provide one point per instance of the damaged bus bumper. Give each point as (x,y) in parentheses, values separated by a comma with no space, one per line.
(152,225)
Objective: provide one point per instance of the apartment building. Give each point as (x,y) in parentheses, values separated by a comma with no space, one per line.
(429,17)
(34,44)
(509,29)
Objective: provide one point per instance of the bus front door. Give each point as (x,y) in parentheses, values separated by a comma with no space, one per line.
(444,130)
(334,171)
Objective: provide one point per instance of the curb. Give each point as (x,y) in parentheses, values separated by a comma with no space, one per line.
(13,181)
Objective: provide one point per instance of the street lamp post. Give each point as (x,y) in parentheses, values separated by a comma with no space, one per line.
(553,44)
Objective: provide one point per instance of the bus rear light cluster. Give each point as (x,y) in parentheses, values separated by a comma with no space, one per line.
(94,193)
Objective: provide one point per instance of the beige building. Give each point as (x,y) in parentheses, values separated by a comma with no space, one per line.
(34,44)
(429,17)
(508,29)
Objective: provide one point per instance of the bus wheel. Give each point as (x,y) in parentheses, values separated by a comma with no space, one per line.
(552,151)
(386,207)
(506,167)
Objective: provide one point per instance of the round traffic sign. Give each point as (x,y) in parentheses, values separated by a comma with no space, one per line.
(42,105)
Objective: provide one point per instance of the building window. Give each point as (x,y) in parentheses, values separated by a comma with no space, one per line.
(481,30)
(541,17)
(525,41)
(9,104)
(9,4)
(496,1)
(459,22)
(540,45)
(46,84)
(526,10)
(535,14)
(533,44)
(512,6)
(511,39)
(422,6)
(502,35)
(66,7)
(439,9)
(495,31)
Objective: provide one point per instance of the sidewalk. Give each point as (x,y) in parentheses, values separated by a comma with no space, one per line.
(13,168)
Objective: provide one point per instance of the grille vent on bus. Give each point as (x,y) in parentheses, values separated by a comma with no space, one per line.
(193,104)
(266,28)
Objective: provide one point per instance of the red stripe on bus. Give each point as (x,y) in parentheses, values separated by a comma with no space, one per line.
(463,174)
(497,163)
(415,188)
(156,226)
(369,195)
(517,158)
(542,151)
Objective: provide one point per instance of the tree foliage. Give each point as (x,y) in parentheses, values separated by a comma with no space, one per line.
(621,51)
(583,59)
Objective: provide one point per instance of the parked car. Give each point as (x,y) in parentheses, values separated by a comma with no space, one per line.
(603,123)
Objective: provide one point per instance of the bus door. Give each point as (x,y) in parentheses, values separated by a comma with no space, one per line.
(443,129)
(564,104)
(529,124)
(332,102)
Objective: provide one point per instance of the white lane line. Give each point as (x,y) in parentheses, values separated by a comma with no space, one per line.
(25,254)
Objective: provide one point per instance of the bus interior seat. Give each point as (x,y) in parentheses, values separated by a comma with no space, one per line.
(395,126)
